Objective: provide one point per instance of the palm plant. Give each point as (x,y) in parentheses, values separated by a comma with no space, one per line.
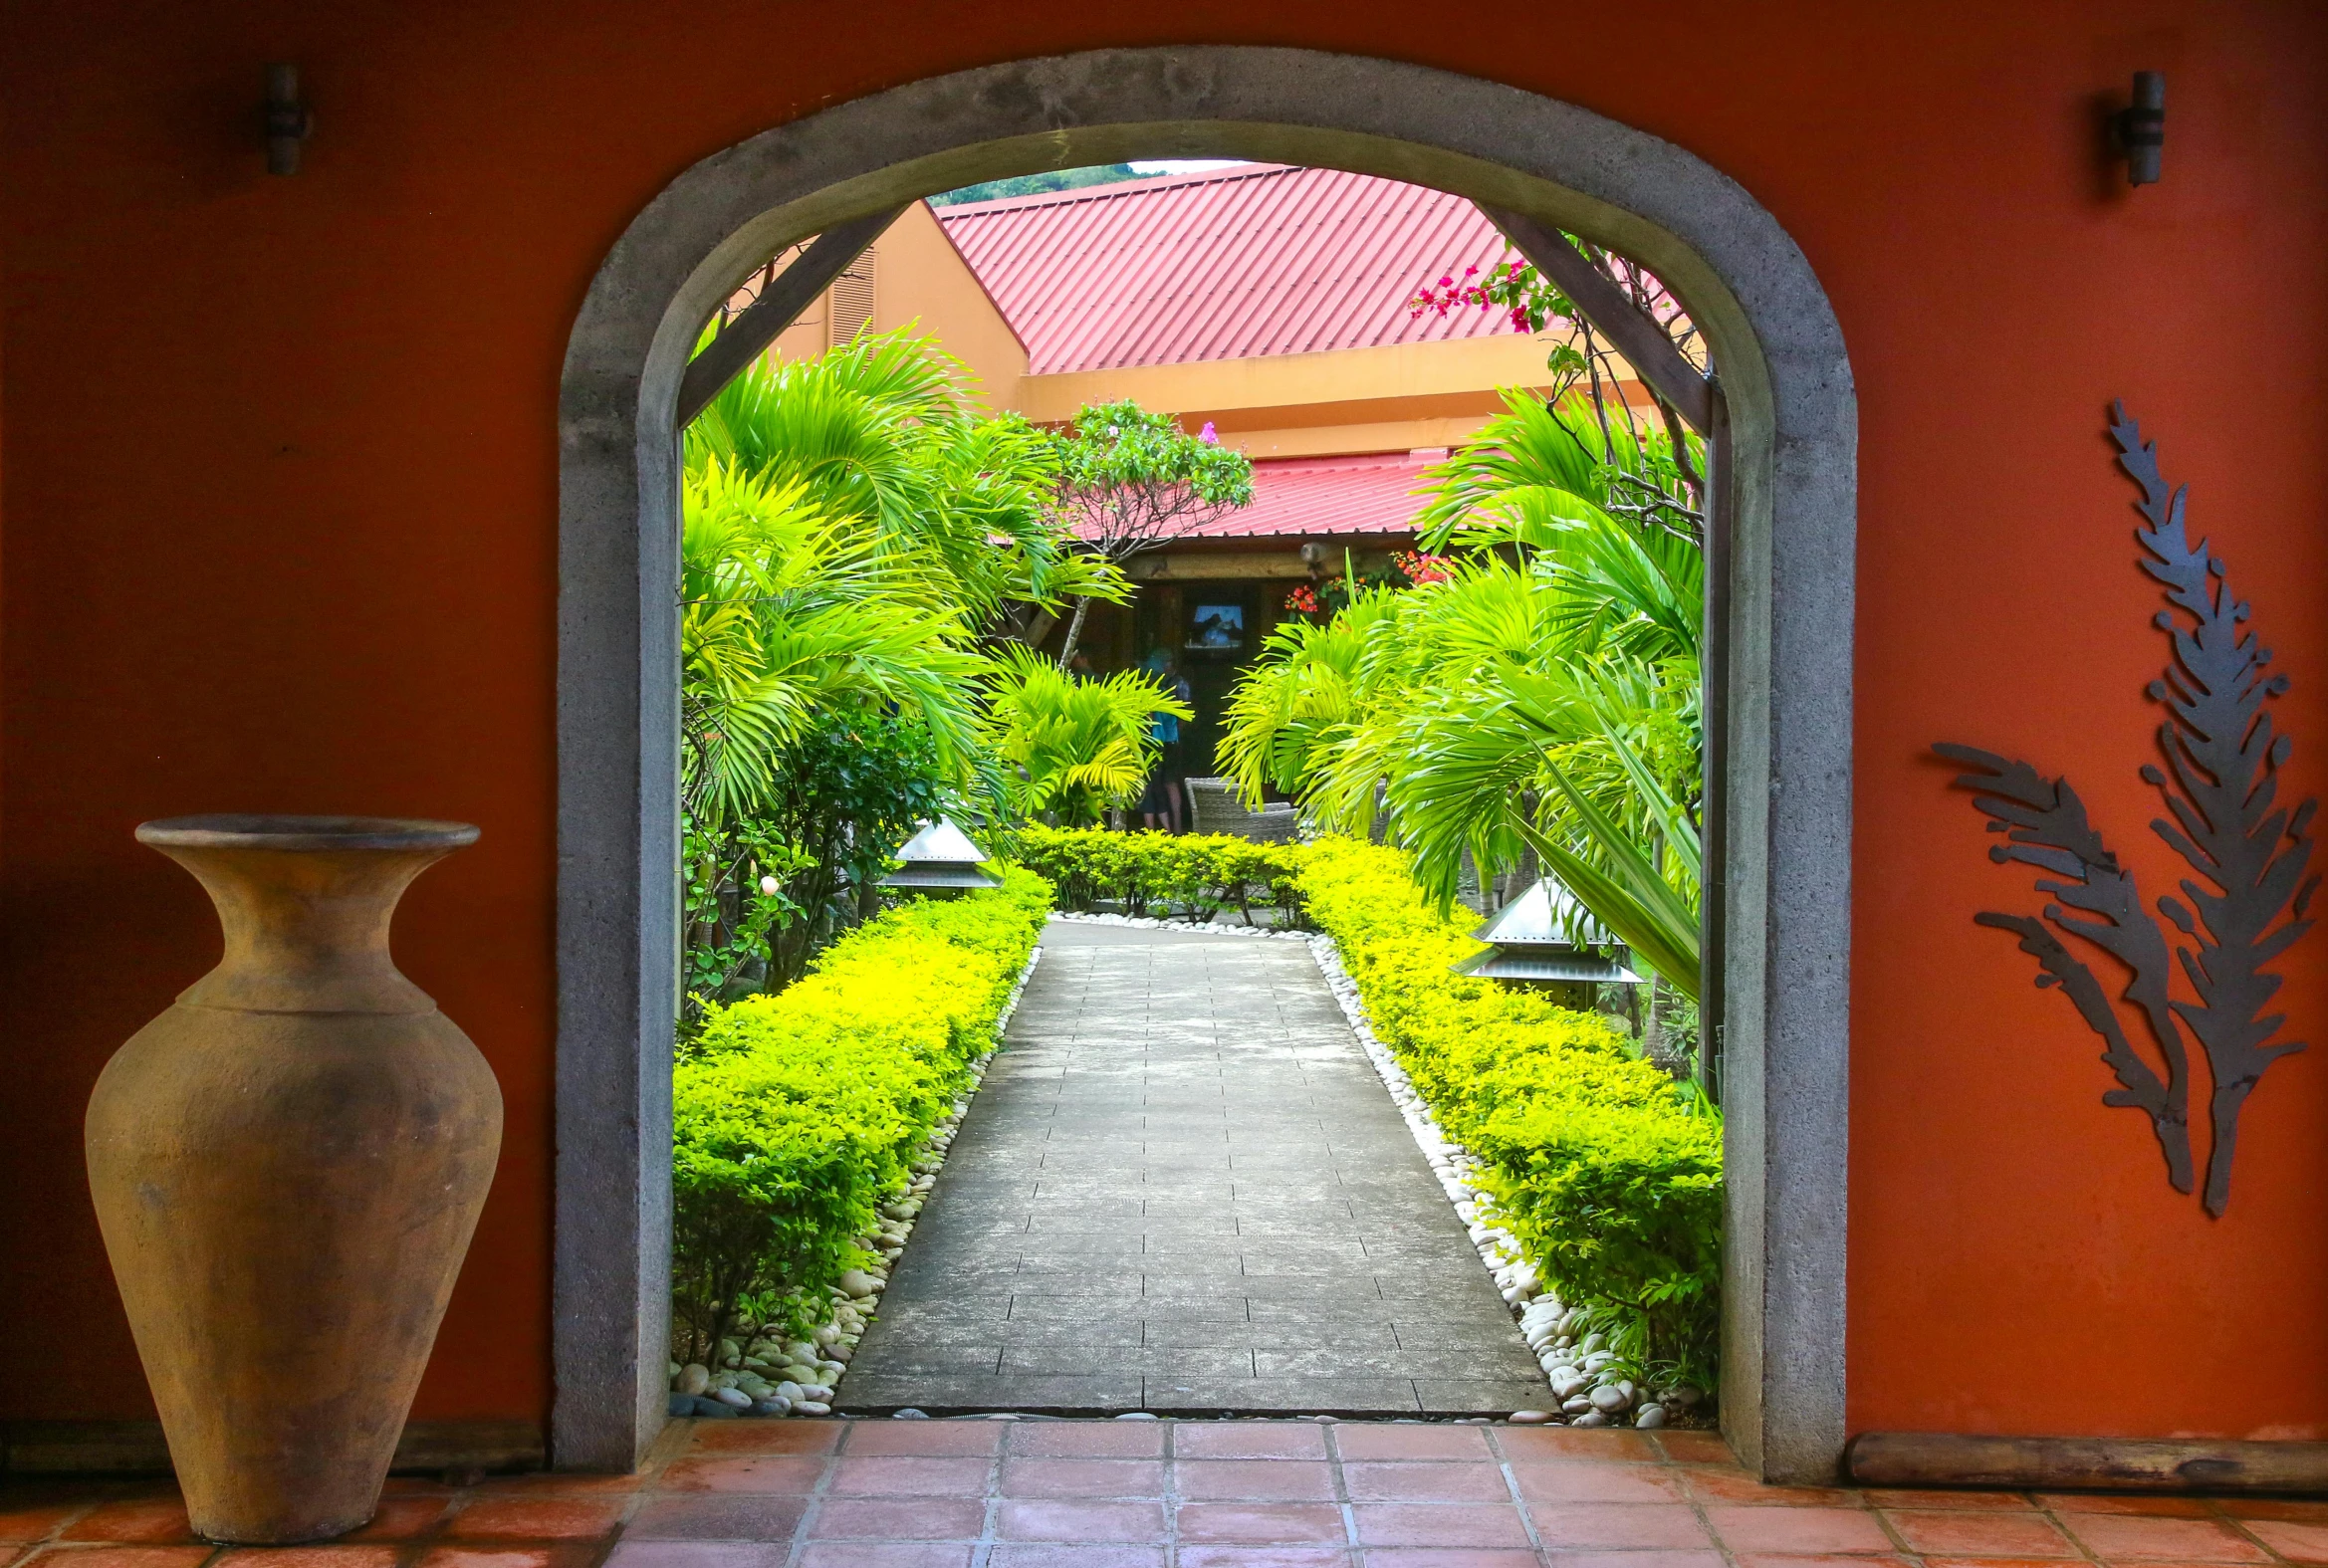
(1557,760)
(1072,748)
(1562,459)
(1293,708)
(850,525)
(786,611)
(1544,698)
(885,430)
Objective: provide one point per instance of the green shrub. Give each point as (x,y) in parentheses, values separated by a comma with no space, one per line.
(794,1115)
(1202,874)
(1608,1176)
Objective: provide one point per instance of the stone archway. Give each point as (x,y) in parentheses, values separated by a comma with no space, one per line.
(1795,420)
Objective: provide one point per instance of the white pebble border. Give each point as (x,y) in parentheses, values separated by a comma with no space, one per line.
(769,1378)
(1213,928)
(1571,1366)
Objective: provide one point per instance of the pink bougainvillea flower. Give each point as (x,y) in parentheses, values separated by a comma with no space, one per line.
(1208,435)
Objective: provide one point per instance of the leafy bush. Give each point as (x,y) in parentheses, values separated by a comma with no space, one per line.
(794,1115)
(1200,872)
(844,794)
(1607,1171)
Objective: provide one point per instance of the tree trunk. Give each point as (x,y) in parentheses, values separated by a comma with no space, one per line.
(1074,630)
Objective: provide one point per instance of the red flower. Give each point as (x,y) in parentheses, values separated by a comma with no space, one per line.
(1421,568)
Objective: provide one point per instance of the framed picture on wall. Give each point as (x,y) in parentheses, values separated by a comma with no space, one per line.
(1217,628)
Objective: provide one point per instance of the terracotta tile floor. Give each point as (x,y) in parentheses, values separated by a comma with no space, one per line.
(1178,1494)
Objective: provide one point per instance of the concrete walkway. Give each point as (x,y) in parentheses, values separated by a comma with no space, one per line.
(1183,1187)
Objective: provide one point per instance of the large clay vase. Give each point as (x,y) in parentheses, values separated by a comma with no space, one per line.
(288,1166)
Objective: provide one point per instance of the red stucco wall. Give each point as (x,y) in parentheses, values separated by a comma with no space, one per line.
(280,534)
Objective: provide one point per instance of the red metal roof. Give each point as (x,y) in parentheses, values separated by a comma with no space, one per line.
(1227,264)
(1318,496)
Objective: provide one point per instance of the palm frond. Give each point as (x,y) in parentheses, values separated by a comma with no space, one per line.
(1071,748)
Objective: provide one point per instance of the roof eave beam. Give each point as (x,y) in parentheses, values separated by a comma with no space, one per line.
(780,304)
(1634,333)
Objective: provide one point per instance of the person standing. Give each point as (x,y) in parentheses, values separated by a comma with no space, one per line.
(1161,802)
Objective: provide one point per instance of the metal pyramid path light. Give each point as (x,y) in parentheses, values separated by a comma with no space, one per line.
(1544,938)
(941,859)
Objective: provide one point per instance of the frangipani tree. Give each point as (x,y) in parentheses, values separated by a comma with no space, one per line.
(1129,481)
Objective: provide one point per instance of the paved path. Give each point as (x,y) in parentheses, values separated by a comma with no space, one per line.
(1183,1187)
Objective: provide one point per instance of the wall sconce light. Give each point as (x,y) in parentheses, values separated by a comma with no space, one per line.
(288,124)
(2140,128)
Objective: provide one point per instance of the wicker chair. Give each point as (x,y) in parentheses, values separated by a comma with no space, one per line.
(1213,808)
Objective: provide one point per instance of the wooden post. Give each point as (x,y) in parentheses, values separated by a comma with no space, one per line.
(780,304)
(1947,1459)
(1636,336)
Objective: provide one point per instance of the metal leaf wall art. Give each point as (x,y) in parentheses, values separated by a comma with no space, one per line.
(2247,856)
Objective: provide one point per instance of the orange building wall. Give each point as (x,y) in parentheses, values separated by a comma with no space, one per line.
(280,479)
(921,282)
(924,285)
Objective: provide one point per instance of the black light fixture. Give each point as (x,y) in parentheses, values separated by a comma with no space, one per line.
(2140,128)
(1544,938)
(941,859)
(288,124)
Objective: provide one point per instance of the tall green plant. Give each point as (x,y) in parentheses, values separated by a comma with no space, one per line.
(852,529)
(1541,699)
(789,610)
(848,792)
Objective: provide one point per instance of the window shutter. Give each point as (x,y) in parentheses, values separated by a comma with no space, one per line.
(851,309)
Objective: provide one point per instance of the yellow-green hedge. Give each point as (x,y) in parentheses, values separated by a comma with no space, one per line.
(794,1115)
(1201,872)
(1610,1178)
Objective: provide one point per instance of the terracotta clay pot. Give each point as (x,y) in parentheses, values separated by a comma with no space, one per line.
(288,1166)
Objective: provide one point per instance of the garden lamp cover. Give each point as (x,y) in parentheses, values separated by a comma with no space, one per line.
(941,856)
